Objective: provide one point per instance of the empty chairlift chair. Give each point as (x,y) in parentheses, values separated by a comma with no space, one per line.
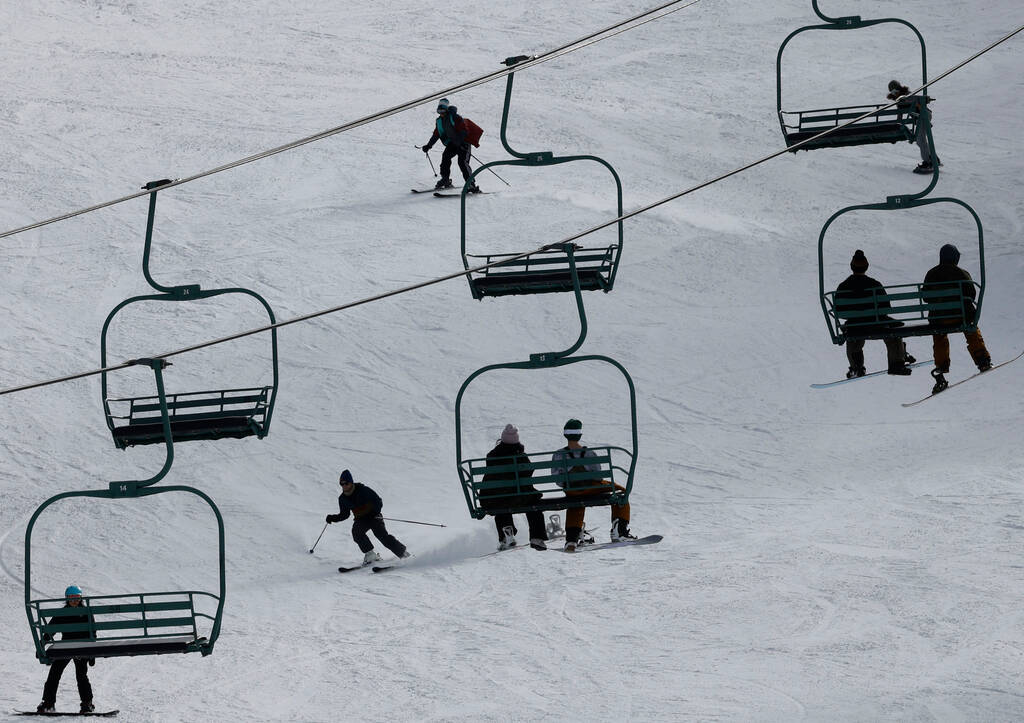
(207,414)
(546,271)
(135,623)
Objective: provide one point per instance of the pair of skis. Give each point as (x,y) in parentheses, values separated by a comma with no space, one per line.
(104,714)
(450,192)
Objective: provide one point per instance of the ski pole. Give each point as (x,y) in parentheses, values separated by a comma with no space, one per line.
(495,174)
(429,160)
(318,539)
(413,522)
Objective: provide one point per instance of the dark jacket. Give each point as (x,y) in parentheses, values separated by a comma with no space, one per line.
(449,129)
(363,502)
(502,454)
(952,277)
(85,617)
(862,286)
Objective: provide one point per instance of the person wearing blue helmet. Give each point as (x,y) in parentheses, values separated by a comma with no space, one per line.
(451,129)
(72,599)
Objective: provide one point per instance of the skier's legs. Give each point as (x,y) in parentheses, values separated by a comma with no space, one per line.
(501,521)
(53,681)
(538,529)
(82,677)
(855,353)
(976,346)
(464,162)
(620,512)
(896,351)
(940,352)
(389,541)
(359,528)
(446,161)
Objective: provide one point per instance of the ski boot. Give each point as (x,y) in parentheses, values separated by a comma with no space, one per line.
(443,183)
(508,539)
(474,189)
(87,707)
(45,707)
(554,527)
(620,531)
(901,370)
(856,372)
(371,557)
(940,381)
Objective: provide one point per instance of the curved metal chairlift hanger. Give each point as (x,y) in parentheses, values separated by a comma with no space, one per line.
(227,413)
(546,271)
(888,126)
(129,624)
(521,492)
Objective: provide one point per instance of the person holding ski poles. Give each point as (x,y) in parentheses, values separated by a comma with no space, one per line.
(451,129)
(72,599)
(365,506)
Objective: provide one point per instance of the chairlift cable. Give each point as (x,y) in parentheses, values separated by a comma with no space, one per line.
(464,272)
(530,61)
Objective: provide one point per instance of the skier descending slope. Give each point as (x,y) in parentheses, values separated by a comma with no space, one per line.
(365,507)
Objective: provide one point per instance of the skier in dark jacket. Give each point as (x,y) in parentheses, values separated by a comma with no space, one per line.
(365,507)
(509,450)
(72,599)
(450,129)
(859,285)
(948,275)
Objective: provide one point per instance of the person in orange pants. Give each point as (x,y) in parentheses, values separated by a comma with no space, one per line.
(948,275)
(573,432)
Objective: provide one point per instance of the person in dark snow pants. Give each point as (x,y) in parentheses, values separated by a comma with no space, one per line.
(365,506)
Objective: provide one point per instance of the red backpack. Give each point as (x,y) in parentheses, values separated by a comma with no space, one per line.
(473,132)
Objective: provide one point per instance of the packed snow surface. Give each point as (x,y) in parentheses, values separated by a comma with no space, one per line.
(828,555)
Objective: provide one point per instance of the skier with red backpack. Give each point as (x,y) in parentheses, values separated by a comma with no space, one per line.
(456,134)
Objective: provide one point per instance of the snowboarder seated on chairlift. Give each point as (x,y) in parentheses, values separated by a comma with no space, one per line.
(365,507)
(508,450)
(72,599)
(948,271)
(573,432)
(898,91)
(858,285)
(451,130)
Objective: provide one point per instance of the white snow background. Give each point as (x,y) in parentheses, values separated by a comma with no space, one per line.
(828,555)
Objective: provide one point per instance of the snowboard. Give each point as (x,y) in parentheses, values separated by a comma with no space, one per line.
(956,384)
(869,374)
(104,714)
(649,540)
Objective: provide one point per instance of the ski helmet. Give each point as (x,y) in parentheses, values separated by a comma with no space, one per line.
(442,105)
(73,591)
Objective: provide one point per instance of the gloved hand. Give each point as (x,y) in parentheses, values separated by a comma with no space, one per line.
(92,662)
(331,518)
(426,148)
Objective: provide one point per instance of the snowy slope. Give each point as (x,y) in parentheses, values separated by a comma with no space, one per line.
(828,554)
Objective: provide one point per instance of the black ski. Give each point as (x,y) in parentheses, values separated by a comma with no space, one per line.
(350,569)
(956,384)
(104,714)
(649,540)
(424,190)
(870,374)
(458,194)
